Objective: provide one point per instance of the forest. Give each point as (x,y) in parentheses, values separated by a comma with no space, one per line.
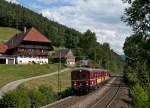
(137,51)
(17,16)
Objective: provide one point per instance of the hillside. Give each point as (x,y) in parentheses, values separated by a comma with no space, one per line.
(6,33)
(61,36)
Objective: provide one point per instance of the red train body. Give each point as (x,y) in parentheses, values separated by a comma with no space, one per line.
(85,80)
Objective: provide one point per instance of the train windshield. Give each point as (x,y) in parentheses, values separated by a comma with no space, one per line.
(79,75)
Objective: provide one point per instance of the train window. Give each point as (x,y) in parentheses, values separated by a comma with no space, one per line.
(90,75)
(84,76)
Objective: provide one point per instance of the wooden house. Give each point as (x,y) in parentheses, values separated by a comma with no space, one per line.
(65,55)
(25,48)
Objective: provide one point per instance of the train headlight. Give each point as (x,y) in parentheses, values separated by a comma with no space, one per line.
(87,83)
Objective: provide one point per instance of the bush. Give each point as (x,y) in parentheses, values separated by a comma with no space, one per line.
(16,99)
(48,93)
(24,98)
(8,100)
(37,98)
(130,76)
(140,97)
(67,92)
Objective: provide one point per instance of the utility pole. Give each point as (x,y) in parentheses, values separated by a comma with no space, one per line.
(59,69)
(95,58)
(110,59)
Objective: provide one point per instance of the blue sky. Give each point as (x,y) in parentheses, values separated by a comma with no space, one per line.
(37,5)
(100,16)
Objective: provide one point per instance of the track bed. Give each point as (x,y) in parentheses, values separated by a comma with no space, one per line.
(105,97)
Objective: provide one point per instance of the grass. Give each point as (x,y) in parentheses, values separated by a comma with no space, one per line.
(51,81)
(10,73)
(6,33)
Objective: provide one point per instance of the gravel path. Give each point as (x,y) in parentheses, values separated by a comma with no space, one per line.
(13,85)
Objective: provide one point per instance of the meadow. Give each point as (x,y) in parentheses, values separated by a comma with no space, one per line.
(6,33)
(52,81)
(10,73)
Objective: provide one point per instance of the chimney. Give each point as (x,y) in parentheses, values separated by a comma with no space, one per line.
(25,29)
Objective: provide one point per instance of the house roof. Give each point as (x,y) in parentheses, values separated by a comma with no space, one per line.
(32,35)
(3,48)
(63,53)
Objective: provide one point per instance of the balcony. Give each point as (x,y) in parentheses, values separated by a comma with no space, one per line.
(32,53)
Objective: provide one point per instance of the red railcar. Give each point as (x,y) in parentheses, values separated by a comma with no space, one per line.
(85,80)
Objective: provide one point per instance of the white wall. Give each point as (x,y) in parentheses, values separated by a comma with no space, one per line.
(26,60)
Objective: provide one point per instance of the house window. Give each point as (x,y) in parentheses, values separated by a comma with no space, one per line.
(20,61)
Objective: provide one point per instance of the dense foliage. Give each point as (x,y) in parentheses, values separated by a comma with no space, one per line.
(137,15)
(32,98)
(25,98)
(84,45)
(137,50)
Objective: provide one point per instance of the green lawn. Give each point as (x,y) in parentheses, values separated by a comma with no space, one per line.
(10,73)
(51,81)
(6,33)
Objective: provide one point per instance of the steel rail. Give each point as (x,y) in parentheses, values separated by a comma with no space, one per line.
(111,101)
(105,96)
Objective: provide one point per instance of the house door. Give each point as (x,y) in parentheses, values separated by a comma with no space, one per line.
(10,61)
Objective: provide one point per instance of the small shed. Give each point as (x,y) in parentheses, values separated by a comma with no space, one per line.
(5,59)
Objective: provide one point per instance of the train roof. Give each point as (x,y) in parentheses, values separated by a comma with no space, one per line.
(89,69)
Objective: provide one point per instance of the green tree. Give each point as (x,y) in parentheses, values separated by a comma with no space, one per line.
(137,46)
(88,37)
(138,15)
(137,49)
(71,39)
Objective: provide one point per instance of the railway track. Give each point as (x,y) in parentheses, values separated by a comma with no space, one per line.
(109,96)
(92,100)
(66,103)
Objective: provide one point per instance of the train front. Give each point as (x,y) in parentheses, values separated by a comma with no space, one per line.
(79,78)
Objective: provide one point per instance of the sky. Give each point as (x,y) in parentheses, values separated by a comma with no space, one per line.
(101,16)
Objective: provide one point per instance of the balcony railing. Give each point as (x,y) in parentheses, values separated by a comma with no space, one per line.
(34,47)
(33,53)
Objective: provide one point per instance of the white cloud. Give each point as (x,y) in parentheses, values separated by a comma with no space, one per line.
(49,1)
(101,16)
(13,1)
(54,1)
